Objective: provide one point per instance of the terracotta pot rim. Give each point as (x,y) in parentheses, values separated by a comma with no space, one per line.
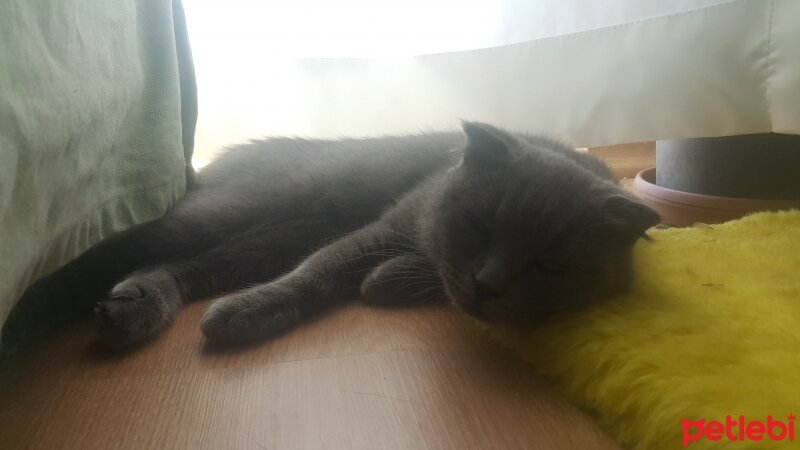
(644,183)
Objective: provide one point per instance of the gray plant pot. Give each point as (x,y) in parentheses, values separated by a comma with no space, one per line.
(753,166)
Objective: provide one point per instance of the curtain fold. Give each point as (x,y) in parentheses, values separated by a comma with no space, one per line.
(97,113)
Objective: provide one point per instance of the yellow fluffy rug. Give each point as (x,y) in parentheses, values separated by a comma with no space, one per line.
(705,350)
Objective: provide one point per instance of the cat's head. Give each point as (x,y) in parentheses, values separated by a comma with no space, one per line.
(519,231)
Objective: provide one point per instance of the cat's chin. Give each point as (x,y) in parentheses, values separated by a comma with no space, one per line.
(459,297)
(494,312)
(471,309)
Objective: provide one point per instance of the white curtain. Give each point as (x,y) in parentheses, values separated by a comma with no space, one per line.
(587,72)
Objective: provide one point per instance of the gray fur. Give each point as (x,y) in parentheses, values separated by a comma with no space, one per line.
(509,228)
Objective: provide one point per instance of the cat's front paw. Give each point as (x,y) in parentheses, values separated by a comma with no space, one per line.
(249,315)
(138,307)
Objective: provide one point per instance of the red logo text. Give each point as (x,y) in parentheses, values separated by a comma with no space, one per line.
(738,429)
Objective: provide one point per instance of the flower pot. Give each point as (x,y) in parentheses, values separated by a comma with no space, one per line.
(756,166)
(679,208)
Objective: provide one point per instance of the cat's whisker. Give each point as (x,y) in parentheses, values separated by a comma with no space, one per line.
(415,277)
(408,281)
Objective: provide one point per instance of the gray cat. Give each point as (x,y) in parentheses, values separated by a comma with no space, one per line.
(508,228)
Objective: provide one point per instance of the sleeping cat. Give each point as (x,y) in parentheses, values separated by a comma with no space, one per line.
(508,228)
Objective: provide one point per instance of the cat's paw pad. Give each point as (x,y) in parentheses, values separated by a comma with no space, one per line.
(136,309)
(247,316)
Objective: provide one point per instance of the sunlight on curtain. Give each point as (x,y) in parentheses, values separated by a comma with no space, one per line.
(254,58)
(588,72)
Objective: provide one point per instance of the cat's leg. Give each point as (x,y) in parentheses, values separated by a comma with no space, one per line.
(405,279)
(190,227)
(330,275)
(148,300)
(73,290)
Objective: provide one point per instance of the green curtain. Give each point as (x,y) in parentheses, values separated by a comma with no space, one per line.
(98,108)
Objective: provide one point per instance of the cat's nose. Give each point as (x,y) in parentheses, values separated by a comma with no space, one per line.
(490,280)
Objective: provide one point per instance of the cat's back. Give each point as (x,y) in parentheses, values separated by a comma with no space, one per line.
(308,159)
(280,176)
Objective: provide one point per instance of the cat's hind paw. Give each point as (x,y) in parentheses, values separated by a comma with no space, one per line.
(137,308)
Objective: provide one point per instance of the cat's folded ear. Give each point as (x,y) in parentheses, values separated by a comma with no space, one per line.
(630,218)
(486,145)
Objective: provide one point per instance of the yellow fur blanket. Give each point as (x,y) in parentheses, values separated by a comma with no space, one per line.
(705,350)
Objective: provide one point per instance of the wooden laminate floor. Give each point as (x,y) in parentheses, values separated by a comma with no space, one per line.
(355,378)
(358,377)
